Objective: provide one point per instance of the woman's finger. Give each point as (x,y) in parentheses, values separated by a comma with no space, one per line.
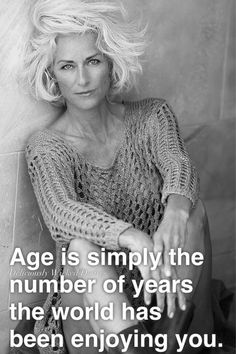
(160,297)
(170,299)
(181,297)
(170,296)
(167,265)
(146,275)
(158,247)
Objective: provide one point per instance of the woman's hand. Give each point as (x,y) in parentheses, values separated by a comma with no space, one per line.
(171,233)
(136,240)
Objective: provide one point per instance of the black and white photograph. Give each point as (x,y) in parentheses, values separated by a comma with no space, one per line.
(117,221)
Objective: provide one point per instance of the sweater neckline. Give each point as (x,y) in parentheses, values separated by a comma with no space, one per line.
(120,146)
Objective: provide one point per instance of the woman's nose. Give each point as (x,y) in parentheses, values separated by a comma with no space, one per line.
(82,76)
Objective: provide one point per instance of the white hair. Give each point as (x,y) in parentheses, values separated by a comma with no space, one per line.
(120,40)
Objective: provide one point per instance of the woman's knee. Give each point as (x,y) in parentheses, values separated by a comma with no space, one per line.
(80,244)
(82,247)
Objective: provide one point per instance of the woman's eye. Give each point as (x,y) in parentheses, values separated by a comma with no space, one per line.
(94,61)
(67,67)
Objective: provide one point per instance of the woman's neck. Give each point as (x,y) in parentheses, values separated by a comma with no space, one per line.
(94,124)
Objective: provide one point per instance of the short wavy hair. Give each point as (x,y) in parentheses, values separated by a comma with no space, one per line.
(122,41)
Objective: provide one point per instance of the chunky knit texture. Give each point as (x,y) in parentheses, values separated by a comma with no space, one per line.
(77,198)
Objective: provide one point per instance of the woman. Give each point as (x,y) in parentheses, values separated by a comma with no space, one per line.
(108,174)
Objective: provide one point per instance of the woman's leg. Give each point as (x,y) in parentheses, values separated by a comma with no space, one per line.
(198,240)
(198,316)
(202,322)
(100,274)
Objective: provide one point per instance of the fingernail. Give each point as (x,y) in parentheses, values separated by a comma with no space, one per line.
(171,315)
(183,307)
(168,273)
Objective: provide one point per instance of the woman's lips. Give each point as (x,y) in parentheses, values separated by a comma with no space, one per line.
(85,93)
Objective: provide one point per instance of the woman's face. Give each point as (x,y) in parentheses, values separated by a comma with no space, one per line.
(81,71)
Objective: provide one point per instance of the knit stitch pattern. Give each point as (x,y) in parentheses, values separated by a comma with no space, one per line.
(79,199)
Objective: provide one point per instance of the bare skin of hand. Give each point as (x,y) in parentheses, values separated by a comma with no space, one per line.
(172,231)
(136,240)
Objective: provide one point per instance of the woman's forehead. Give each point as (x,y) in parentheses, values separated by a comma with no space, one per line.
(76,45)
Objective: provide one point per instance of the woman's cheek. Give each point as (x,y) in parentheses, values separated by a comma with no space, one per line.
(106,83)
(64,86)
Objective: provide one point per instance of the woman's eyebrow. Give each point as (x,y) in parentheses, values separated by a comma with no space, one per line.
(72,61)
(65,61)
(92,56)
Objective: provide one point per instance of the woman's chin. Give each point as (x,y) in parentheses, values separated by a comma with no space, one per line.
(87,103)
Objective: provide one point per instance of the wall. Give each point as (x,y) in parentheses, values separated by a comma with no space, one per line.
(190,61)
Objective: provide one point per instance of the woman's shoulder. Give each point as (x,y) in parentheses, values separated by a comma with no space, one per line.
(147,102)
(46,141)
(145,106)
(143,112)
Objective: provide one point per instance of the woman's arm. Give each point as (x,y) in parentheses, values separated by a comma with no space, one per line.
(169,155)
(171,233)
(180,180)
(52,177)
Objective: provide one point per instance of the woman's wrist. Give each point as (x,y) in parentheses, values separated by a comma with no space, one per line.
(178,204)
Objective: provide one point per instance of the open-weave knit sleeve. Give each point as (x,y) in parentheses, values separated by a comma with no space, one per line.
(52,177)
(170,155)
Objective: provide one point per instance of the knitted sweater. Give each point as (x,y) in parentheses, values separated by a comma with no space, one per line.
(77,198)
